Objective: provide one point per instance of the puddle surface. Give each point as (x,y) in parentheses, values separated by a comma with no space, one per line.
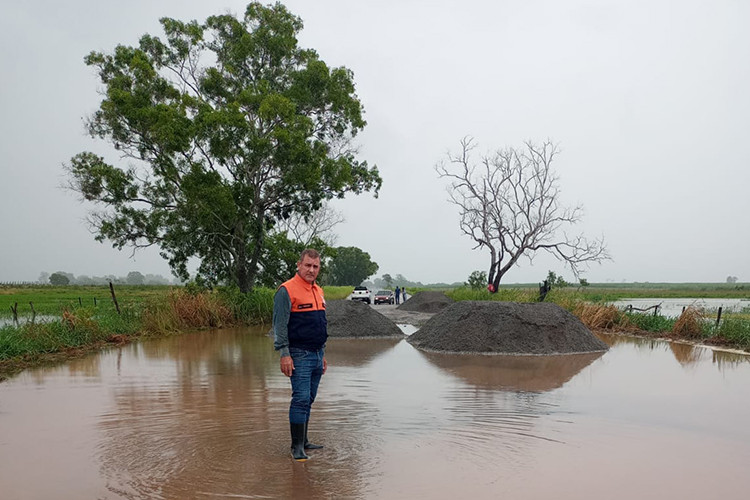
(205,416)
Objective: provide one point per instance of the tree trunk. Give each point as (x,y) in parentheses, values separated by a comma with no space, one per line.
(241,276)
(258,241)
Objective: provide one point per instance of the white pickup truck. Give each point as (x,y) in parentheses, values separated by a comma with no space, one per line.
(361,293)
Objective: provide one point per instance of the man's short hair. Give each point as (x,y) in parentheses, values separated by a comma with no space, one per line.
(309,252)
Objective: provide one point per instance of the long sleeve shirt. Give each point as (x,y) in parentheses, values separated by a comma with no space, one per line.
(282,306)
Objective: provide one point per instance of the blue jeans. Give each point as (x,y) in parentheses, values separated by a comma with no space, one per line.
(308,368)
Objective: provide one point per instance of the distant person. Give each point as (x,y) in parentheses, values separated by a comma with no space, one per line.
(403,294)
(398,295)
(300,333)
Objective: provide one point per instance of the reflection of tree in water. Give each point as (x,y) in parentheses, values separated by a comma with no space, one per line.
(357,352)
(211,420)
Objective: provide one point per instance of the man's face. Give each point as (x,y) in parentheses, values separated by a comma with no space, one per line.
(308,268)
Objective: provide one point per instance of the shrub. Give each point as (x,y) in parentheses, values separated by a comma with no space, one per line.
(690,324)
(183,309)
(600,316)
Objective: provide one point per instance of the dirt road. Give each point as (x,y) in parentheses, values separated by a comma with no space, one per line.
(398,316)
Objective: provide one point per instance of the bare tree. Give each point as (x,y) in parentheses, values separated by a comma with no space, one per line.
(319,224)
(509,205)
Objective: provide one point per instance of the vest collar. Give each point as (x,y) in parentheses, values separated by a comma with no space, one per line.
(299,279)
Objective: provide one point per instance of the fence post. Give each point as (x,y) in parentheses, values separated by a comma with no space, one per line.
(718,317)
(114,299)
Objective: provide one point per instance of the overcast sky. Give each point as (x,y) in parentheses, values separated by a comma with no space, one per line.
(648,101)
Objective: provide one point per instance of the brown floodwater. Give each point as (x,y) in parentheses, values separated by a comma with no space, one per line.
(205,416)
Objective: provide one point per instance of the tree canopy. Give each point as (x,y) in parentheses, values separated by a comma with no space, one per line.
(226,128)
(59,279)
(350,266)
(135,278)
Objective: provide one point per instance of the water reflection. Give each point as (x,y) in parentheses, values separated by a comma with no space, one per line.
(218,413)
(514,373)
(686,354)
(205,416)
(357,352)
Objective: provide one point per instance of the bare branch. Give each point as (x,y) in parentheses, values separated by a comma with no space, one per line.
(511,207)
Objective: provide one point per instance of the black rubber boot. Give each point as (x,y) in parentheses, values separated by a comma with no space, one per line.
(298,442)
(308,444)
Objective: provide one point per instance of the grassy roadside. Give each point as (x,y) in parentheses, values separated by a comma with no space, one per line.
(66,327)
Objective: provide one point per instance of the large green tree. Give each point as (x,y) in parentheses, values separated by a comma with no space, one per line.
(279,260)
(224,128)
(350,266)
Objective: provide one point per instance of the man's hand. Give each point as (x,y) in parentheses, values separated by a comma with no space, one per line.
(287,365)
(325,365)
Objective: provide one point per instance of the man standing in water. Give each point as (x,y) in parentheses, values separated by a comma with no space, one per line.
(300,330)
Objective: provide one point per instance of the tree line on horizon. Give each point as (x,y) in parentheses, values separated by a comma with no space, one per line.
(132,278)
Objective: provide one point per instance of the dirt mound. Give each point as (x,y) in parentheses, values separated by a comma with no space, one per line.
(506,328)
(353,318)
(429,302)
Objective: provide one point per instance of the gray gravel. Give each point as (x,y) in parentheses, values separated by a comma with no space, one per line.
(490,327)
(428,302)
(353,318)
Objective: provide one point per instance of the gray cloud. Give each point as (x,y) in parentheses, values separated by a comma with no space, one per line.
(647,100)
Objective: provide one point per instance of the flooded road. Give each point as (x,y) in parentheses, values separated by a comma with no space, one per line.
(205,416)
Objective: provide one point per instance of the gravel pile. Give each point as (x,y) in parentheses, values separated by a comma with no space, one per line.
(429,302)
(353,318)
(490,327)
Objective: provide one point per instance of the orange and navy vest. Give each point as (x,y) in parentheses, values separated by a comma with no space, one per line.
(307,326)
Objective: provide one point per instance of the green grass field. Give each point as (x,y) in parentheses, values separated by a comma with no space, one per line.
(610,292)
(53,300)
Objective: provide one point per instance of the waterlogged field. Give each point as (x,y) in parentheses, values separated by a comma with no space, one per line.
(53,300)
